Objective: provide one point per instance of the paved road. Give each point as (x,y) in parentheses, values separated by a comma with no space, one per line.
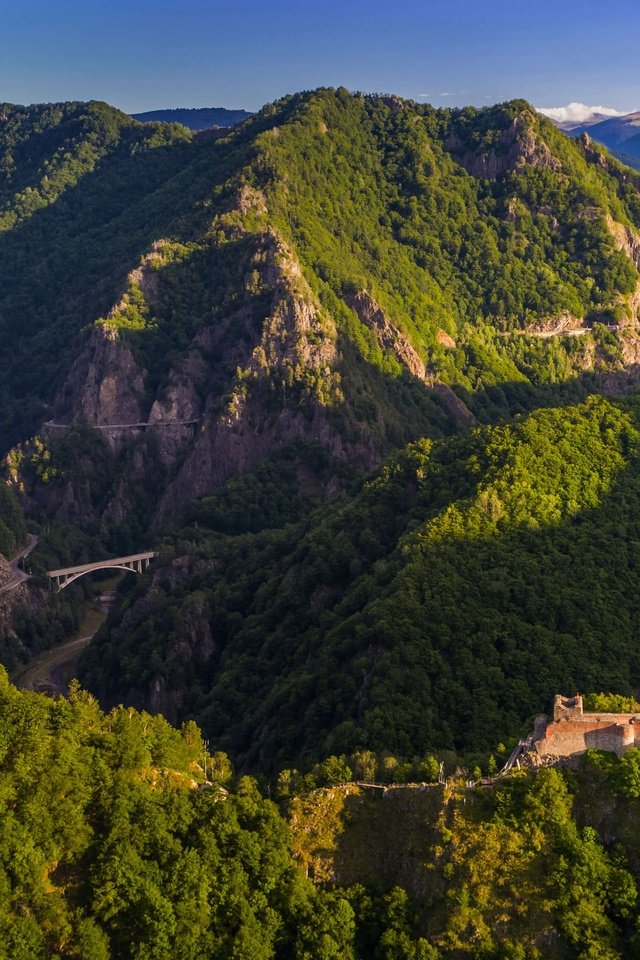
(546,334)
(52,425)
(19,576)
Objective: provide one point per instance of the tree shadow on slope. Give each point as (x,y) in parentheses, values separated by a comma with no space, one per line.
(67,265)
(391,622)
(449,644)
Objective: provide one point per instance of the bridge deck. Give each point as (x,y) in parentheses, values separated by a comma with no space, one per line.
(101,564)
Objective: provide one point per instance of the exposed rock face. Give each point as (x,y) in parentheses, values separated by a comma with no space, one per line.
(445,339)
(618,383)
(104,385)
(250,199)
(394,103)
(144,276)
(625,239)
(594,154)
(519,146)
(629,341)
(390,338)
(552,326)
(295,341)
(294,333)
(226,403)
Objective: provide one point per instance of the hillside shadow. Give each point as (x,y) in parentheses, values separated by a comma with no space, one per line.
(67,264)
(505,400)
(449,644)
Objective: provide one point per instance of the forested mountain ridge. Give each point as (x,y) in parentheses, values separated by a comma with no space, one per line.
(330,270)
(449,598)
(279,310)
(363,371)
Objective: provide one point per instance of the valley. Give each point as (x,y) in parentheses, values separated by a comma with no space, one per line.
(269,341)
(353,389)
(50,672)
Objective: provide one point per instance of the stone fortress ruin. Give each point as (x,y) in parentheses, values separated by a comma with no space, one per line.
(571,731)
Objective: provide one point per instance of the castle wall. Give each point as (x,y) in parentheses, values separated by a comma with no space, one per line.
(612,732)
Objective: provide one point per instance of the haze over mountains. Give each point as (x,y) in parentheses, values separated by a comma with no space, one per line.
(620,133)
(195,118)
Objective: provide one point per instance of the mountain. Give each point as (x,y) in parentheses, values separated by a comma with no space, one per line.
(233,282)
(581,125)
(364,374)
(210,344)
(621,135)
(444,601)
(613,132)
(201,118)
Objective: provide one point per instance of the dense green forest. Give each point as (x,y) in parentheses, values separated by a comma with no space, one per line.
(368,193)
(114,845)
(364,372)
(449,598)
(340,275)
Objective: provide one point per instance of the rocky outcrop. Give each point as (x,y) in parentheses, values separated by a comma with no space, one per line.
(519,146)
(104,385)
(251,380)
(389,336)
(445,339)
(392,339)
(564,322)
(625,239)
(596,154)
(457,408)
(296,343)
(295,333)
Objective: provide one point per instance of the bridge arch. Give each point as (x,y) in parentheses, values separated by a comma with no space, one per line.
(136,563)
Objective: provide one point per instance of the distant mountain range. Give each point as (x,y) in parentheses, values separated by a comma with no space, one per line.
(620,135)
(195,119)
(570,125)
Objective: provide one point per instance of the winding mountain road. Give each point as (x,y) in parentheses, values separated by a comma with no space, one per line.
(19,576)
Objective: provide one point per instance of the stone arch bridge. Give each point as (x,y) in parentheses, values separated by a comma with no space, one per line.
(135,563)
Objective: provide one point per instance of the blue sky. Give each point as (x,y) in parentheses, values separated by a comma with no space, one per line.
(140,55)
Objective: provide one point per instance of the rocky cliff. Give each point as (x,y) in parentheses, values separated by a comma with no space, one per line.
(358,301)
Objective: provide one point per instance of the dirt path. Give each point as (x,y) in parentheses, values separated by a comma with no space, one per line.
(51,670)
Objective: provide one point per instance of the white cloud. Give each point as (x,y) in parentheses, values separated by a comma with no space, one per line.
(578,112)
